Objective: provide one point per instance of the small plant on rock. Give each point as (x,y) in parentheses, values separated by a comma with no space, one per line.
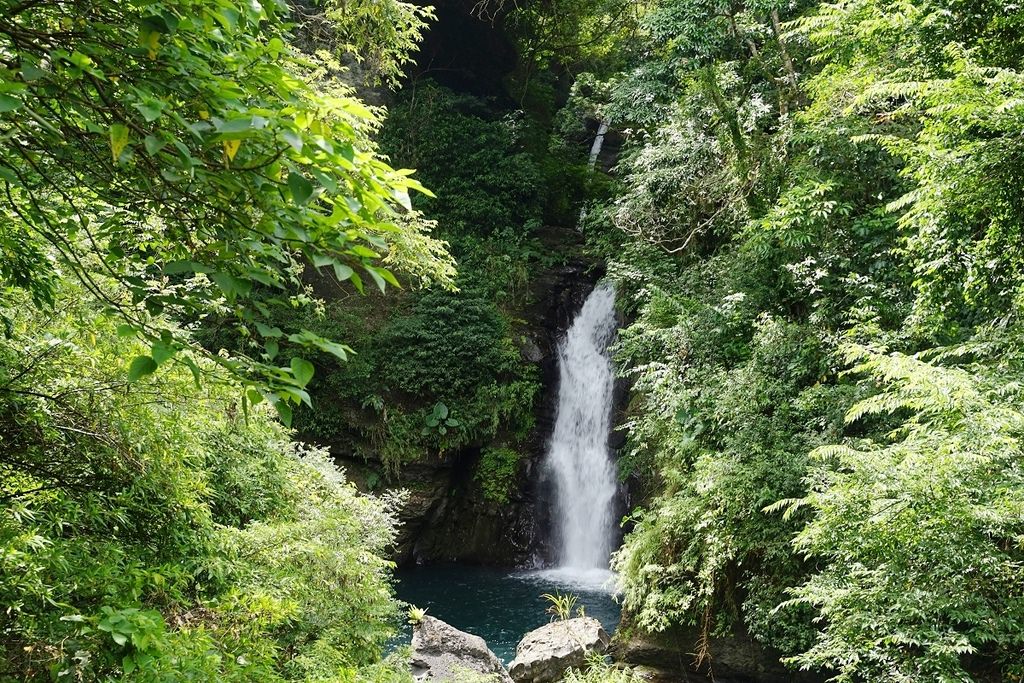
(561,606)
(416,615)
(439,420)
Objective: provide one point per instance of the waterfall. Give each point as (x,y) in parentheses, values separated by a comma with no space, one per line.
(595,149)
(578,455)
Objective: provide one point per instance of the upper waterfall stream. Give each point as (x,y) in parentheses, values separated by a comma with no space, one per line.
(578,455)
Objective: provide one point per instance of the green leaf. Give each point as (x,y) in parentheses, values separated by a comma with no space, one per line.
(8,103)
(337,350)
(235,126)
(300,188)
(140,367)
(284,411)
(161,352)
(228,17)
(195,370)
(231,285)
(381,285)
(176,267)
(31,72)
(342,272)
(293,139)
(321,260)
(153,144)
(403,198)
(302,370)
(150,108)
(382,275)
(389,276)
(357,281)
(268,331)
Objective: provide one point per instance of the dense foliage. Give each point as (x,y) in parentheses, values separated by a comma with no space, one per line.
(436,372)
(819,228)
(187,151)
(815,225)
(152,531)
(169,167)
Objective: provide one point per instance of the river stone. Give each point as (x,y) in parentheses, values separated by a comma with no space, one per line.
(544,654)
(441,652)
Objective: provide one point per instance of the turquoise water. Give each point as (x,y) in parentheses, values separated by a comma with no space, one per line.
(501,606)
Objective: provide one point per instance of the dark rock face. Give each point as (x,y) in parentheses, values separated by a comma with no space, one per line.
(734,659)
(544,654)
(445,654)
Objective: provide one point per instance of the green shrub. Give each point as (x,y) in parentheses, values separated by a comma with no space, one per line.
(435,349)
(150,531)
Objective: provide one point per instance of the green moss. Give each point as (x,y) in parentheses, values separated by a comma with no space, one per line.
(496,473)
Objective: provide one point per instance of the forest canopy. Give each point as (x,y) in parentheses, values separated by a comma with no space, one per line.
(183,160)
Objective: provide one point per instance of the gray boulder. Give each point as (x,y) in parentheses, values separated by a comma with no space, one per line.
(443,653)
(544,654)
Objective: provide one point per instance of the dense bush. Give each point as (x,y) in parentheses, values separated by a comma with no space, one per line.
(490,201)
(152,531)
(424,352)
(496,473)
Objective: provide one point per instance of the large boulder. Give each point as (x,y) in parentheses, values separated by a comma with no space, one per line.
(443,653)
(544,654)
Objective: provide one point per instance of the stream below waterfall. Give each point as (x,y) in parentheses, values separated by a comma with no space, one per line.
(502,605)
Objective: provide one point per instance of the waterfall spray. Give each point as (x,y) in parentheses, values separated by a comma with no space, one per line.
(578,455)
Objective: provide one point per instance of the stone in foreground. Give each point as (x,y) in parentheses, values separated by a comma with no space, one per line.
(544,654)
(445,654)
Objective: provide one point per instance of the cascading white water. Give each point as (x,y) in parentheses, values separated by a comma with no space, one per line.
(579,458)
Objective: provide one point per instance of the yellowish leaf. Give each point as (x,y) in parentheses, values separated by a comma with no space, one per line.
(231,148)
(118,139)
(151,41)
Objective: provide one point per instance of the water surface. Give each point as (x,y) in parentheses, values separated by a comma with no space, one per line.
(501,606)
